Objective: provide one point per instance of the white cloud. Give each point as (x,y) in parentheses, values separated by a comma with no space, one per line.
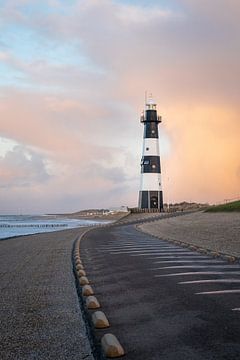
(21,167)
(141,14)
(79,117)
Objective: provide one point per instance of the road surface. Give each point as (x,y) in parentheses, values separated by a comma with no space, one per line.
(163,302)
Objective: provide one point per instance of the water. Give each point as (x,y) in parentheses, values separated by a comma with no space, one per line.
(15,225)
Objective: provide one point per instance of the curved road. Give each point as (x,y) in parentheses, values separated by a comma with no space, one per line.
(163,301)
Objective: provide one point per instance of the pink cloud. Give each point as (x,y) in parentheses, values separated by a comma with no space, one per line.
(86,121)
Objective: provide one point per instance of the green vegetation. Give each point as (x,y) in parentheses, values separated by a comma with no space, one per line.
(232,206)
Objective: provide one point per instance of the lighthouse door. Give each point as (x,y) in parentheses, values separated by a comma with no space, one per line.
(154,202)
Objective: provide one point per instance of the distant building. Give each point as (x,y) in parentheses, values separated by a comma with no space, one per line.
(119,209)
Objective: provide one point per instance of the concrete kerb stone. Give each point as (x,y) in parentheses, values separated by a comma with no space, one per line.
(81,273)
(215,254)
(87,290)
(202,251)
(231,259)
(111,346)
(76,245)
(92,302)
(83,292)
(83,280)
(100,320)
(79,265)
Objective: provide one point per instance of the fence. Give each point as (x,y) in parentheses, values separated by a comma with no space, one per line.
(137,210)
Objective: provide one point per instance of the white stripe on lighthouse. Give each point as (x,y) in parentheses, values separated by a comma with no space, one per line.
(150,147)
(151,182)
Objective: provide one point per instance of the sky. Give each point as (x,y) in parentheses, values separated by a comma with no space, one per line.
(73,75)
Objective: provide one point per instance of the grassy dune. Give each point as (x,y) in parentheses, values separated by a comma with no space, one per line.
(229,207)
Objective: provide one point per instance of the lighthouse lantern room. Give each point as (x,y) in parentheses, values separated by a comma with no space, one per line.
(150,194)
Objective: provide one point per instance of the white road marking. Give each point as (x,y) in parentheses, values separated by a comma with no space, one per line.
(212,281)
(179,257)
(151,249)
(188,256)
(165,254)
(219,292)
(138,247)
(201,273)
(199,267)
(189,261)
(149,252)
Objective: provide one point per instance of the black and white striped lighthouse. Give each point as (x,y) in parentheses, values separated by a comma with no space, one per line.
(150,194)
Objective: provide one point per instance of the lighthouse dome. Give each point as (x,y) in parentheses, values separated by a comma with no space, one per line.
(150,103)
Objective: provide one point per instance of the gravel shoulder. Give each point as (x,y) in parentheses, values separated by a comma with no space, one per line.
(40,314)
(218,232)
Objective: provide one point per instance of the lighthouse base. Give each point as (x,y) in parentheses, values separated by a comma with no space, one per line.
(151,200)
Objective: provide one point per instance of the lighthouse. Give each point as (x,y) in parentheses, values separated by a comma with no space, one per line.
(150,194)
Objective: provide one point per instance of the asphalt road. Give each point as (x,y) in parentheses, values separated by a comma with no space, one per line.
(163,301)
(40,316)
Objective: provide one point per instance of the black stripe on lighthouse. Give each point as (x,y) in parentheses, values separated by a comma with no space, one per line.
(150,164)
(151,200)
(150,130)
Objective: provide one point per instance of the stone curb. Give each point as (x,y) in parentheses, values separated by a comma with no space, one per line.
(87,290)
(83,280)
(110,346)
(81,273)
(92,302)
(79,266)
(100,320)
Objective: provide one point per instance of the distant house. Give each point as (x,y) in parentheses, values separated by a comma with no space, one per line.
(118,209)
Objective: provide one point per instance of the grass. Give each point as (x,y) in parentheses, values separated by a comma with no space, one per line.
(229,207)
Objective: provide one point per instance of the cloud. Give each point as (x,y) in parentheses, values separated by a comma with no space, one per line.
(80,110)
(139,14)
(22,167)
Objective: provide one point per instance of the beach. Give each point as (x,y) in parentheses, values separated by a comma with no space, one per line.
(40,312)
(15,225)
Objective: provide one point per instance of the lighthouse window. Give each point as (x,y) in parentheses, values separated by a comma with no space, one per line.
(147,148)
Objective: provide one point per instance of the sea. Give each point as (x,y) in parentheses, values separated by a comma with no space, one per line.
(15,225)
